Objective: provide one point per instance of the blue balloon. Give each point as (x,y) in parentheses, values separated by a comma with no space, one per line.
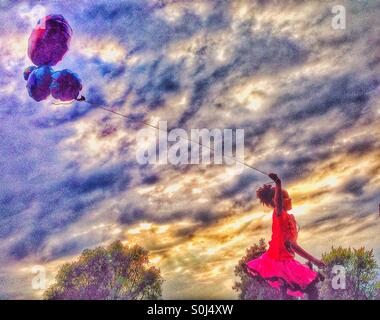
(65,85)
(28,71)
(39,83)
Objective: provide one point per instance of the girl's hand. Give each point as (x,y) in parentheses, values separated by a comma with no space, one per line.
(274,177)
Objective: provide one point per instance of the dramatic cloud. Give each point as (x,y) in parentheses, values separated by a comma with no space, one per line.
(306,95)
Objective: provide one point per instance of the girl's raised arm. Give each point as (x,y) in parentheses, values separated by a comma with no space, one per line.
(278,193)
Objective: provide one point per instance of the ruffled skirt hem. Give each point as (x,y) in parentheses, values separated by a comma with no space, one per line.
(287,274)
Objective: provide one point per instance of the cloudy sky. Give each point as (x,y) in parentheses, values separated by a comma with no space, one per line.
(306,94)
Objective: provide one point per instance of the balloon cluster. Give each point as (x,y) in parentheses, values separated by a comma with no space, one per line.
(48,43)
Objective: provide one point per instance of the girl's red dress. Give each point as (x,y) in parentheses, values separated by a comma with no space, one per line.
(277,265)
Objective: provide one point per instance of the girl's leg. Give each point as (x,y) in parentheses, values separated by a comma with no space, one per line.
(313,293)
(284,295)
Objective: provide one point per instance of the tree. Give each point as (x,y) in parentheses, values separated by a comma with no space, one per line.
(360,272)
(249,288)
(116,272)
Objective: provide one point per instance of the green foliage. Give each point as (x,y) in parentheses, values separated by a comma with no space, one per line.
(377,291)
(116,272)
(249,288)
(360,274)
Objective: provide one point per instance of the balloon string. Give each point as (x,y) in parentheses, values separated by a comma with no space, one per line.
(158,128)
(63,103)
(190,140)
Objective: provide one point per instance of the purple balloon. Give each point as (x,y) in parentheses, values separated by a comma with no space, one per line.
(39,83)
(65,85)
(50,40)
(28,71)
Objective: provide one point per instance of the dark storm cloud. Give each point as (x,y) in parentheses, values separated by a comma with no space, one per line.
(148,32)
(108,70)
(323,138)
(330,222)
(29,244)
(60,205)
(352,211)
(150,179)
(324,219)
(131,216)
(362,147)
(217,20)
(295,166)
(302,163)
(134,22)
(69,248)
(355,186)
(240,185)
(364,227)
(252,55)
(338,222)
(256,53)
(163,80)
(368,202)
(205,217)
(13,203)
(347,93)
(186,232)
(113,179)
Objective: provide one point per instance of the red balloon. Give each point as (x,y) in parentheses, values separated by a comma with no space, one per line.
(65,85)
(50,40)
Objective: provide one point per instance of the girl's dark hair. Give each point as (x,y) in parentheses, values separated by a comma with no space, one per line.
(266,194)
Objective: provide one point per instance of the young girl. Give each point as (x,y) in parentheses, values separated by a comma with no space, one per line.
(277,265)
